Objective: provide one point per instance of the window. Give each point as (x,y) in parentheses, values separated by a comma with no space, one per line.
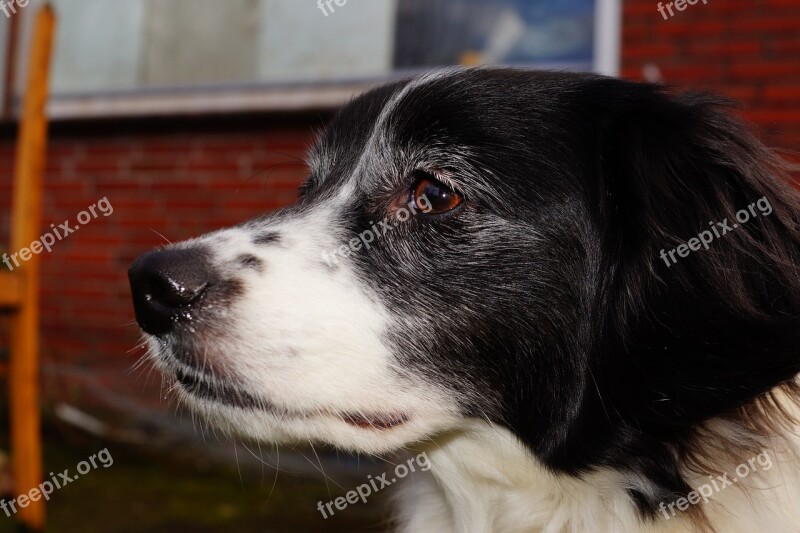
(117,55)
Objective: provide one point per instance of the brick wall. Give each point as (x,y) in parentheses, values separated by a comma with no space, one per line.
(746,49)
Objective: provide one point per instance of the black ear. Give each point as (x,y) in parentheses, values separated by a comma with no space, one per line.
(701,251)
(714,326)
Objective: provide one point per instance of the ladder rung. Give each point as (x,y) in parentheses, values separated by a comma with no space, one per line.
(10,290)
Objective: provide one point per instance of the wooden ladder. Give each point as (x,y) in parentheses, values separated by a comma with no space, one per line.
(19,288)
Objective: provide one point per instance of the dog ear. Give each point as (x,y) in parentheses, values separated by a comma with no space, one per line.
(701,257)
(678,343)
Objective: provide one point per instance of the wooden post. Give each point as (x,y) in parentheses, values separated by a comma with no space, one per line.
(11,67)
(26,449)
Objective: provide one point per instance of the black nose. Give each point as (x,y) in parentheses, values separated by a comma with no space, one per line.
(165,284)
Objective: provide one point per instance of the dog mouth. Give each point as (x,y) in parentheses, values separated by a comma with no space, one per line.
(223,394)
(233,397)
(375,421)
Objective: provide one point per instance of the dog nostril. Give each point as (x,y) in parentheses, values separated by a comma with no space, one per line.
(171,292)
(164,284)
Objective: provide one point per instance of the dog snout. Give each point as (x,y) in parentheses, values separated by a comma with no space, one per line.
(165,284)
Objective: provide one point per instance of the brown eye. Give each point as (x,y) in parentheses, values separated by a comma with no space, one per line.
(432,196)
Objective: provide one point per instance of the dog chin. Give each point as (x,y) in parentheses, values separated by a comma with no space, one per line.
(369,434)
(237,411)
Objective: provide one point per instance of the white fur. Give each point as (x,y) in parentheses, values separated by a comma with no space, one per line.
(483,479)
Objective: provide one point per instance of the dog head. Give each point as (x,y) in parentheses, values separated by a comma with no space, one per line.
(486,244)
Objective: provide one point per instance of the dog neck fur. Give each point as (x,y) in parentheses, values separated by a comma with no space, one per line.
(484,479)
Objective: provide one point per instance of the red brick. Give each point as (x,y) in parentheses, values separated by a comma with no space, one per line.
(701,74)
(741,93)
(221,146)
(97,164)
(781,4)
(192,203)
(786,45)
(783,92)
(235,184)
(697,49)
(768,24)
(693,30)
(106,148)
(758,69)
(171,187)
(153,163)
(651,51)
(167,146)
(772,116)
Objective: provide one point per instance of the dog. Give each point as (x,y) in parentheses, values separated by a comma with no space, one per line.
(511,314)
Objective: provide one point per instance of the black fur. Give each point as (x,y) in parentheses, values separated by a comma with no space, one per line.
(542,300)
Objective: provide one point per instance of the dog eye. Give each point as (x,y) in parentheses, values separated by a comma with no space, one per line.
(431,196)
